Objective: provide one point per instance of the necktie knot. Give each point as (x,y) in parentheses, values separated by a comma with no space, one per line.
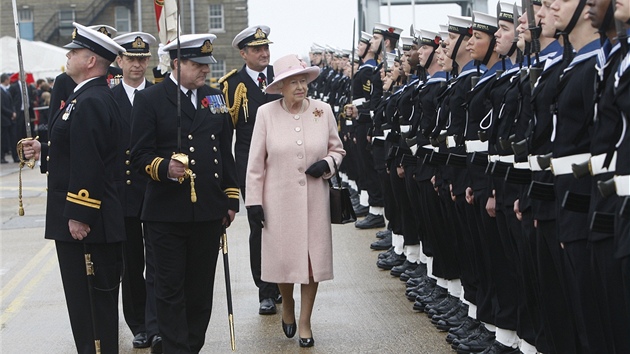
(262,81)
(189,93)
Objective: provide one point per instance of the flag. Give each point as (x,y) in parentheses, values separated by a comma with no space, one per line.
(166,17)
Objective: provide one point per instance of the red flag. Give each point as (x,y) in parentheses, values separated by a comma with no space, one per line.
(166,17)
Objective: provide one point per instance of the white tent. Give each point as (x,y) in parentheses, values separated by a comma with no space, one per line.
(41,59)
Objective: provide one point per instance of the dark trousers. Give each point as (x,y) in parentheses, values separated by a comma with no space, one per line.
(467,253)
(185,264)
(555,308)
(265,290)
(5,139)
(368,171)
(13,140)
(107,259)
(403,206)
(138,297)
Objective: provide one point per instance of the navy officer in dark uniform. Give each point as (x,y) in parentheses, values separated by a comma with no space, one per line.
(184,221)
(244,93)
(83,214)
(138,296)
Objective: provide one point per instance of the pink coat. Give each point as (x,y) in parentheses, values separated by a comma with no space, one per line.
(296,205)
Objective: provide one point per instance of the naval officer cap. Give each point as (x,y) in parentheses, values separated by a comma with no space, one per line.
(109,31)
(136,44)
(387,30)
(484,23)
(195,47)
(252,36)
(97,42)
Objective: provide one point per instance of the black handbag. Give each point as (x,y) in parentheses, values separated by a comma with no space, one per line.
(341,211)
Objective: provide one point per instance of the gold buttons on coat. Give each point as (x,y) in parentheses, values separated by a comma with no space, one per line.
(127,152)
(189,137)
(214,148)
(127,162)
(216,162)
(216,175)
(213,137)
(193,162)
(128,182)
(128,172)
(192,149)
(47,158)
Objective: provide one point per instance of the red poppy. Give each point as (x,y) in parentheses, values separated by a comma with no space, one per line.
(204,102)
(470,31)
(391,30)
(63,104)
(437,40)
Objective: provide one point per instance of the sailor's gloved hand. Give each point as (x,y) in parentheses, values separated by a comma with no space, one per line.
(256,215)
(318,169)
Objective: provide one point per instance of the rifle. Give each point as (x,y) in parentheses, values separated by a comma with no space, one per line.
(534,30)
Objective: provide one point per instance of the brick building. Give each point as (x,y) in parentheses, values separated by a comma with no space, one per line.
(51,21)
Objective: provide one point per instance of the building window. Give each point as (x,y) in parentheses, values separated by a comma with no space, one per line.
(26,24)
(123,19)
(66,17)
(216,22)
(217,71)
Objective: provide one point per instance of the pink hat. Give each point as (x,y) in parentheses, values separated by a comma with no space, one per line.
(290,65)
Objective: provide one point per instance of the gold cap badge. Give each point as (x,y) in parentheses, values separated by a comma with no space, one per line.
(206,47)
(138,43)
(260,34)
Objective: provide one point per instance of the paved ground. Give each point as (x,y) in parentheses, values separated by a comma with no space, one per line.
(363,310)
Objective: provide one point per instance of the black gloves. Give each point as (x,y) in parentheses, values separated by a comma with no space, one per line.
(318,169)
(256,215)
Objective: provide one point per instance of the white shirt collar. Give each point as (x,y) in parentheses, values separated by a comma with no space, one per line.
(184,90)
(82,83)
(131,91)
(254,74)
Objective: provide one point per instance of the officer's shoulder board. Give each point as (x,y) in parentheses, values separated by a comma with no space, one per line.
(227,76)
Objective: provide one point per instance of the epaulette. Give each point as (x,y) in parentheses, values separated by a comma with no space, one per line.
(226,76)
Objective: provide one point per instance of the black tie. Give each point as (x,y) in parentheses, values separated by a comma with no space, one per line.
(189,95)
(262,81)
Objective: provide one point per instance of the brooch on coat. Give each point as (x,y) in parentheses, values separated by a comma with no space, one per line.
(69,109)
(216,103)
(317,113)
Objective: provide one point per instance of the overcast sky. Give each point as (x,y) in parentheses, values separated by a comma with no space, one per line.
(296,24)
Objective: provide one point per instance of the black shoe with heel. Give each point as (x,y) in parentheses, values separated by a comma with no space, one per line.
(289,329)
(307,342)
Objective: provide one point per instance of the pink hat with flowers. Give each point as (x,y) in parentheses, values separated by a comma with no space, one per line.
(290,65)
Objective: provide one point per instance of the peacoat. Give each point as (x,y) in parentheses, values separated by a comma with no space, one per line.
(296,205)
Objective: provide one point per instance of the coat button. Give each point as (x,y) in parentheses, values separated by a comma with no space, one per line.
(300,156)
(297,129)
(214,148)
(216,175)
(296,117)
(46,173)
(193,162)
(127,152)
(300,170)
(128,172)
(194,175)
(302,183)
(213,137)
(127,162)
(128,182)
(48,142)
(299,142)
(216,162)
(47,158)
(192,149)
(189,137)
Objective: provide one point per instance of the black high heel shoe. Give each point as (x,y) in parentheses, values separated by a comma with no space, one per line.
(306,342)
(289,329)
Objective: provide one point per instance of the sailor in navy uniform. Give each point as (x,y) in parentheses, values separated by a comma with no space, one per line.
(244,93)
(84,215)
(183,220)
(138,295)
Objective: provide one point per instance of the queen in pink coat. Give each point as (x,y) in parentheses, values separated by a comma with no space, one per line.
(294,143)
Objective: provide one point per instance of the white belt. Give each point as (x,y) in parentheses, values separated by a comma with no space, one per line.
(597,162)
(521,165)
(405,128)
(336,109)
(563,165)
(386,132)
(476,145)
(450,141)
(622,185)
(533,163)
(348,122)
(414,148)
(358,102)
(506,159)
